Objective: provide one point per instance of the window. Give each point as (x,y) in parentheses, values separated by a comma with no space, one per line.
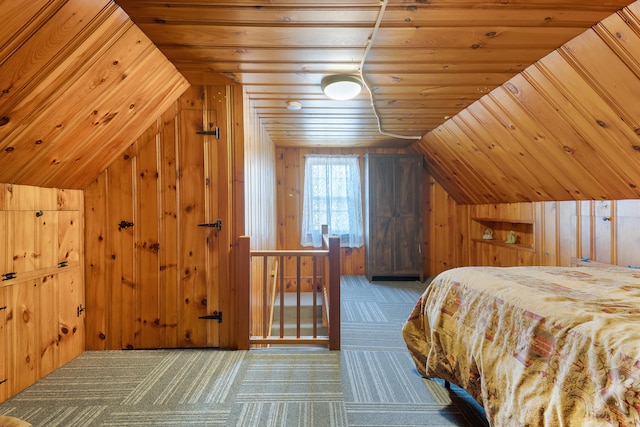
(332,196)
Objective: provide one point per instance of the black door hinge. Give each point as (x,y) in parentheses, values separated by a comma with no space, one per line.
(79,310)
(217,315)
(8,276)
(214,132)
(217,224)
(124,224)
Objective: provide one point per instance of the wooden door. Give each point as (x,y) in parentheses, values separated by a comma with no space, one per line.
(198,251)
(70,321)
(381,193)
(153,281)
(4,342)
(23,326)
(408,220)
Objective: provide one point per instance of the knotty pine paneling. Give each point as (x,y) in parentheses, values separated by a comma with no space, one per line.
(70,326)
(565,128)
(601,230)
(157,278)
(79,78)
(40,327)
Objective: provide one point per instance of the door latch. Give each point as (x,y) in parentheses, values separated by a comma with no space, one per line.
(124,224)
(217,224)
(217,315)
(8,276)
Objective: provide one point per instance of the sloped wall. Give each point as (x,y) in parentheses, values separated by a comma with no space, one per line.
(79,82)
(567,128)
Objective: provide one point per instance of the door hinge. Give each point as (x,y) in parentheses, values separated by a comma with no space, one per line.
(217,315)
(217,224)
(79,310)
(214,132)
(8,276)
(124,224)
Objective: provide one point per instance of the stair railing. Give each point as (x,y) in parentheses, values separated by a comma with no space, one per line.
(258,272)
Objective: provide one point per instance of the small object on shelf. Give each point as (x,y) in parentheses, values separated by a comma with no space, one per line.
(511,237)
(488,234)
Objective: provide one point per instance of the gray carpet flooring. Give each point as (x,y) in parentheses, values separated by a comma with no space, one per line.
(371,381)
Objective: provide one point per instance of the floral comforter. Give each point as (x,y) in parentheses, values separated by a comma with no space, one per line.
(536,346)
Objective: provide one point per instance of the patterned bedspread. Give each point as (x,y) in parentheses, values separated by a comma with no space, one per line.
(536,346)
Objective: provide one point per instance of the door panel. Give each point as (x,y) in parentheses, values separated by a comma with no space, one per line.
(382,246)
(4,343)
(24,325)
(192,331)
(408,175)
(408,244)
(21,231)
(147,332)
(70,320)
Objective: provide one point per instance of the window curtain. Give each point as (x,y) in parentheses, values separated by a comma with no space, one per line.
(332,196)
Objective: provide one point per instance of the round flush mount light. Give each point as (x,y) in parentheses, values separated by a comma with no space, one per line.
(341,86)
(294,105)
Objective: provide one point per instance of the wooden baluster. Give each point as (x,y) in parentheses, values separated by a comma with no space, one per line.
(244,285)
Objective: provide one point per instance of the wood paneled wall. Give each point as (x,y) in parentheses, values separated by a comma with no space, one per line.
(550,233)
(149,283)
(260,182)
(42,286)
(290,179)
(261,213)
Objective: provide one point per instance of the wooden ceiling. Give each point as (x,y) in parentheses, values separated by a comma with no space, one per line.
(427,61)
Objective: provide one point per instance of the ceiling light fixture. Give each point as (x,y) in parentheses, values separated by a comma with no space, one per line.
(341,86)
(294,105)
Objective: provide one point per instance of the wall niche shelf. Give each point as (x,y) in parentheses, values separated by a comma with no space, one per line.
(500,228)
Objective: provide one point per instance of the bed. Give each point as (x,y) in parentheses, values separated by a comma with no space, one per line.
(535,346)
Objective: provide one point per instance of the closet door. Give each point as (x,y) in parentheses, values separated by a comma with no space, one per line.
(382,213)
(393,220)
(408,218)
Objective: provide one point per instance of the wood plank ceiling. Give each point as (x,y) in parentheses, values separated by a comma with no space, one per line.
(428,60)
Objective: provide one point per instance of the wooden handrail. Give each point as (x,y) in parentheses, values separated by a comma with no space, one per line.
(290,252)
(330,292)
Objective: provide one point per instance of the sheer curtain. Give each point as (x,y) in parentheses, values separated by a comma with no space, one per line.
(332,196)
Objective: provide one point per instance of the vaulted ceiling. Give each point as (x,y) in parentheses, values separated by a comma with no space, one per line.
(424,62)
(508,100)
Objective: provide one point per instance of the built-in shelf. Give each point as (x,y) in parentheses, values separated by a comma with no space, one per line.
(504,220)
(500,227)
(515,246)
